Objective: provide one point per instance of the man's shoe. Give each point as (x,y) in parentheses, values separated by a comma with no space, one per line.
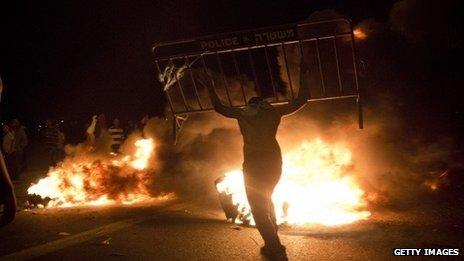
(277,254)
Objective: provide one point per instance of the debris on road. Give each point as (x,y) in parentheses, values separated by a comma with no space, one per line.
(64,234)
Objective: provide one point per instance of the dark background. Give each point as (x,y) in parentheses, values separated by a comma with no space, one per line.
(72,59)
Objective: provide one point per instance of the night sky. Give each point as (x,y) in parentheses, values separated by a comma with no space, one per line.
(73,59)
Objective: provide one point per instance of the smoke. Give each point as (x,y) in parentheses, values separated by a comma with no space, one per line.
(208,146)
(393,155)
(389,166)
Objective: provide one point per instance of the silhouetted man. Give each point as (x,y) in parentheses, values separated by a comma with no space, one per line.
(262,165)
(7,195)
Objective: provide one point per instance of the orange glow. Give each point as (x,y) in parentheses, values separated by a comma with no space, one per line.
(432,185)
(359,34)
(314,189)
(94,180)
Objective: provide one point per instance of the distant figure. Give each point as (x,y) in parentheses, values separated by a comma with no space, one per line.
(97,132)
(51,139)
(130,127)
(61,142)
(90,131)
(21,142)
(7,195)
(117,135)
(101,128)
(9,148)
(142,123)
(262,165)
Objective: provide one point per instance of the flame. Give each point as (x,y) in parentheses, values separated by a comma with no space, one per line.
(314,188)
(359,34)
(95,180)
(143,153)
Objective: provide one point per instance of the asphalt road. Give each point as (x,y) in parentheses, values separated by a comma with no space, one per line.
(183,230)
(174,230)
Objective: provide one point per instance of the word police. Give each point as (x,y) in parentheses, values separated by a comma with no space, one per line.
(255,38)
(425,252)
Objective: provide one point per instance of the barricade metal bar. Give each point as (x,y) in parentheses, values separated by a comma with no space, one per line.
(205,68)
(270,74)
(288,71)
(337,62)
(354,96)
(253,69)
(258,46)
(324,91)
(223,78)
(197,95)
(302,57)
(237,70)
(238,49)
(355,68)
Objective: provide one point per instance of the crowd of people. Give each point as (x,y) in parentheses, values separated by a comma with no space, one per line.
(52,139)
(98,130)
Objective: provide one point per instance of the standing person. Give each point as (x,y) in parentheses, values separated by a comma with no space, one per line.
(21,142)
(60,145)
(117,135)
(262,164)
(130,127)
(90,130)
(9,148)
(97,132)
(51,138)
(7,195)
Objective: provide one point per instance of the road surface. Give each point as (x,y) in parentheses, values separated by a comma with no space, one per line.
(183,230)
(177,230)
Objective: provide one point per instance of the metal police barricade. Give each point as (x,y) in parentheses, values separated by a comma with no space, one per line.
(263,62)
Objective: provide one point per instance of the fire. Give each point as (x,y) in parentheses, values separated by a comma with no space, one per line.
(315,187)
(143,153)
(92,179)
(359,34)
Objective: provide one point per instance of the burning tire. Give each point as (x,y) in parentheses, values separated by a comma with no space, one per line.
(230,210)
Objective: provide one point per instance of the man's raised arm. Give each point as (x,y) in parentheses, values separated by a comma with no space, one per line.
(217,104)
(303,94)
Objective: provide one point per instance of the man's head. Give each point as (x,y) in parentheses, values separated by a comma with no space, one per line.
(116,122)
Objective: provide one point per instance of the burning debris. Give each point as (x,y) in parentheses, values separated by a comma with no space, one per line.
(91,178)
(317,186)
